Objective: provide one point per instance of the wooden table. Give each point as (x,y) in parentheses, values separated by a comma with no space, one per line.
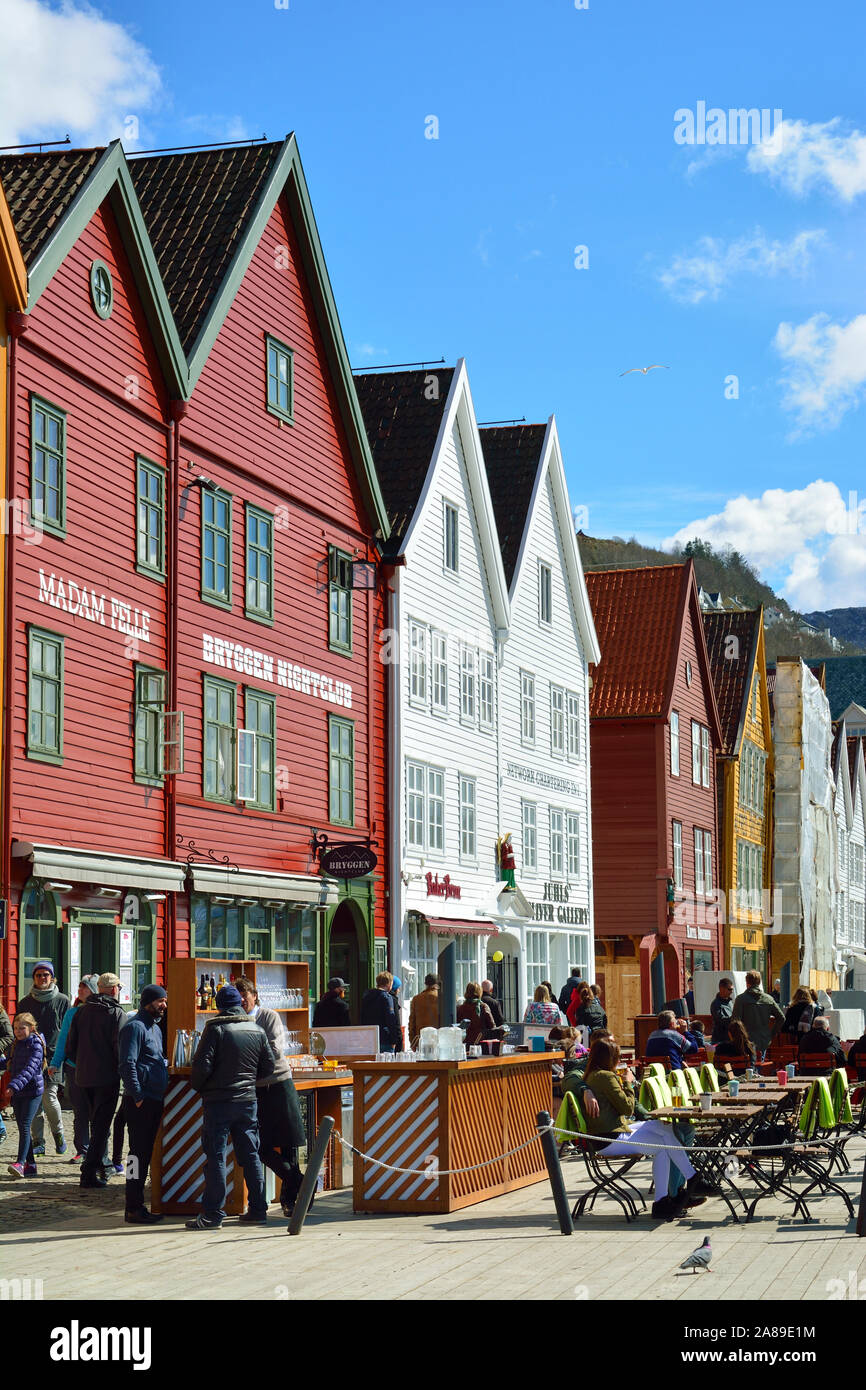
(716,1112)
(434,1116)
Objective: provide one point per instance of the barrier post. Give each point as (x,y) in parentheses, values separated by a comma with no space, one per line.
(314,1163)
(554,1172)
(861,1210)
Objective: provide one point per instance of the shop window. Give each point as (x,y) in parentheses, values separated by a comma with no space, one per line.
(281,386)
(216,547)
(260,565)
(48,466)
(45,696)
(423,951)
(217,929)
(341,745)
(150,518)
(40,936)
(339,600)
(256,751)
(149,710)
(220,700)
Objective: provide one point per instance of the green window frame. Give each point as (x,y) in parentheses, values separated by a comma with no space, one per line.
(101,289)
(150,686)
(339,600)
(45,662)
(219,716)
(40,935)
(260,718)
(217,929)
(149,518)
(47,466)
(280,371)
(216,547)
(259,564)
(341,770)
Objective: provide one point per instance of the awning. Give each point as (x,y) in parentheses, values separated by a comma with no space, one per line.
(62,865)
(456,926)
(307,890)
(508,907)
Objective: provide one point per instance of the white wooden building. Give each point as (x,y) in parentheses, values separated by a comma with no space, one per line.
(850,816)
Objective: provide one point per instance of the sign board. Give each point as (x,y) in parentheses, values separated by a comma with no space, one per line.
(347,861)
(350,1042)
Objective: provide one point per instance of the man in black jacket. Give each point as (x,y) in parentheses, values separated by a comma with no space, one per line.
(377,1006)
(92,1045)
(489,998)
(820,1039)
(332,1011)
(232,1056)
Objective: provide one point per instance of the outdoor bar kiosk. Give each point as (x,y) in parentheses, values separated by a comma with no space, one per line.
(177,1174)
(436,1116)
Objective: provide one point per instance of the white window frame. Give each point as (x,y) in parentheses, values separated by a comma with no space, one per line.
(545,592)
(709,887)
(557,838)
(573,739)
(529,836)
(537,958)
(247,778)
(450,537)
(698,836)
(696,753)
(439,673)
(430,842)
(486,690)
(527,709)
(417,663)
(468,812)
(705,756)
(675,743)
(573,843)
(677,834)
(468,684)
(557,721)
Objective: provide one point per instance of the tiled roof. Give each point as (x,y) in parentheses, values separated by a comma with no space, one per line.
(731,667)
(846,682)
(402,427)
(39,189)
(196,207)
(512,454)
(637,615)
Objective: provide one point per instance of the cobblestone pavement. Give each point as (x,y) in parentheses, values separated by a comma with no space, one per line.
(76,1242)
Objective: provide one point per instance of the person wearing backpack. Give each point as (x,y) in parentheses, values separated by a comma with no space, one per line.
(801,1014)
(26,1061)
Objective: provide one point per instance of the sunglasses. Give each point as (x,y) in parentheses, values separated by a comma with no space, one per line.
(42,975)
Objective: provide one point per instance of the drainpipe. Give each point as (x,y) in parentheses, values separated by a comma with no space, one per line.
(16,325)
(178,411)
(394,727)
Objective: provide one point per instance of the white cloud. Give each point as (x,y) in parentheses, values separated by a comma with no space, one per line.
(66,69)
(703,273)
(801,157)
(369,350)
(811,542)
(825,372)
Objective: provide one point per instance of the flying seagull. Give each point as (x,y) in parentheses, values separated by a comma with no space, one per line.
(645,369)
(700,1258)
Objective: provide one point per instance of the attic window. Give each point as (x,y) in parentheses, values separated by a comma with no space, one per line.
(101,289)
(688,673)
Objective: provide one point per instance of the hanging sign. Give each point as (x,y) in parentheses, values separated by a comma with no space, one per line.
(347,861)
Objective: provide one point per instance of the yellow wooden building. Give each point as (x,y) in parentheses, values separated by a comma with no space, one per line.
(735,641)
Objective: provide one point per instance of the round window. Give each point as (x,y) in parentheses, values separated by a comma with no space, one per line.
(101,289)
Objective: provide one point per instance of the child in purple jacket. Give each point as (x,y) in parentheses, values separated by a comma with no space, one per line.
(26,1064)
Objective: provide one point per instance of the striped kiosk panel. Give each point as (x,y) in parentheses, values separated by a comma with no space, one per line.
(401,1128)
(527,1093)
(476,1101)
(178,1169)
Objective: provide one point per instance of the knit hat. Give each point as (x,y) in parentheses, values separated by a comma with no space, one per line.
(228,999)
(43,965)
(92,982)
(151,993)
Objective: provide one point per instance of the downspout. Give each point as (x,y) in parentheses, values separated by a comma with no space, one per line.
(16,325)
(178,411)
(395,736)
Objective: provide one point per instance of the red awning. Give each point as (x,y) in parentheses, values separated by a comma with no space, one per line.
(454,926)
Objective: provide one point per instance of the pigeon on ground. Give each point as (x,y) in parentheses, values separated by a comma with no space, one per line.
(651,368)
(699,1259)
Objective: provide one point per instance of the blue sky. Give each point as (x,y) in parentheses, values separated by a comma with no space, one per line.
(555,130)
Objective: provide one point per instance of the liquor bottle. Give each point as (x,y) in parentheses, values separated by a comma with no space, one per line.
(202,994)
(213,993)
(221,982)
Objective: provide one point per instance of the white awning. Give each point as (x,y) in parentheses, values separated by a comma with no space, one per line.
(62,865)
(507,907)
(308,890)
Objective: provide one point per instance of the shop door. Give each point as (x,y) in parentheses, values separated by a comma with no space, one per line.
(98,948)
(343,957)
(504,976)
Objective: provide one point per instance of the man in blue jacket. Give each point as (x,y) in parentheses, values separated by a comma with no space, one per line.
(144,1072)
(668,1042)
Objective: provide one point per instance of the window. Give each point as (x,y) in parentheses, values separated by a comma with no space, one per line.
(467,684)
(465,961)
(101,289)
(150,525)
(467,818)
(452,538)
(486,688)
(439,671)
(572,826)
(423,949)
(339,600)
(149,709)
(545,599)
(217,929)
(708,862)
(678,854)
(48,466)
(341,781)
(260,564)
(41,937)
(537,959)
(699,861)
(45,697)
(425,806)
(220,703)
(529,821)
(705,756)
(696,753)
(750,876)
(755,698)
(753,764)
(573,724)
(417,664)
(527,707)
(257,751)
(557,845)
(557,721)
(281,390)
(675,743)
(216,547)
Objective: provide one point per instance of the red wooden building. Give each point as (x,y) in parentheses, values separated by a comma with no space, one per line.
(193,683)
(654,733)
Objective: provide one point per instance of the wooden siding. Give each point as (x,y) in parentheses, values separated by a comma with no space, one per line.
(624,827)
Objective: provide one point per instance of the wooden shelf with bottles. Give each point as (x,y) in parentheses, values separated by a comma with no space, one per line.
(269,977)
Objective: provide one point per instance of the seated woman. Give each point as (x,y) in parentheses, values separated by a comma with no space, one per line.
(542,1009)
(800,1014)
(616,1103)
(477,1015)
(585,1010)
(736,1043)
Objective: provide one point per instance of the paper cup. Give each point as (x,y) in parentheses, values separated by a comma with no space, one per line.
(733,1088)
(782,1077)
(706,1102)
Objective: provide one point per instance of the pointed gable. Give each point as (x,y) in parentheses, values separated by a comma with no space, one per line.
(638,616)
(732,668)
(512,455)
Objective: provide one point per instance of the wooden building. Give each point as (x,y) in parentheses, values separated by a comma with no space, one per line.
(654,733)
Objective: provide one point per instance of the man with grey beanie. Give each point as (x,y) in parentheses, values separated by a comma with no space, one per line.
(49,1007)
